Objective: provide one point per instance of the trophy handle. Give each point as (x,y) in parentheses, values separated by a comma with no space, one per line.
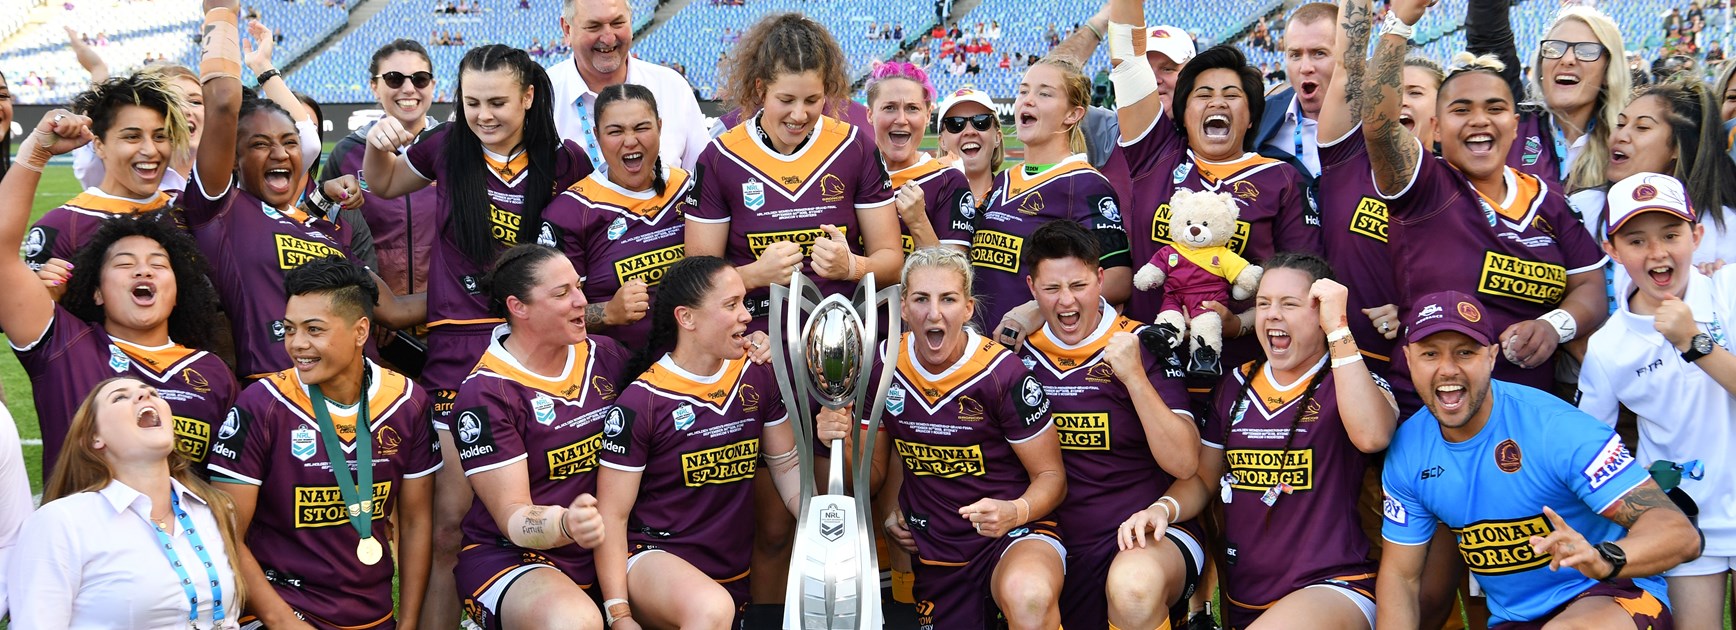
(890,298)
(788,303)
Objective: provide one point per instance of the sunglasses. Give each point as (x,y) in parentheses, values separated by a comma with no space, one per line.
(395,79)
(955,124)
(1583,51)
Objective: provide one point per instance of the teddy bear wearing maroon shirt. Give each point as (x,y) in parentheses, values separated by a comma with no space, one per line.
(1198,266)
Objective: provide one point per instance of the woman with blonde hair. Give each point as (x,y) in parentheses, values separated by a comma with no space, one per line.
(970,139)
(1579,74)
(127,536)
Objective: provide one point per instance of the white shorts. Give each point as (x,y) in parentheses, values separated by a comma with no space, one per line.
(1705,565)
(490,598)
(1060,549)
(1362,601)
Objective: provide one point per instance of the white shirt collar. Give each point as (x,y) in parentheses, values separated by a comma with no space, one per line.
(122,497)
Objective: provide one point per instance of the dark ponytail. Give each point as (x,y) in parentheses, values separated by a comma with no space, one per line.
(633,92)
(514,274)
(468,221)
(685,284)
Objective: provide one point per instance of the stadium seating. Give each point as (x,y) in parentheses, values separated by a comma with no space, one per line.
(136,28)
(339,73)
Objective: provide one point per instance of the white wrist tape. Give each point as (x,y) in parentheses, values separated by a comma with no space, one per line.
(1133,80)
(545,534)
(1121,41)
(1563,323)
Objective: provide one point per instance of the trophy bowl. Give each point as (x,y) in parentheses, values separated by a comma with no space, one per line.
(834,351)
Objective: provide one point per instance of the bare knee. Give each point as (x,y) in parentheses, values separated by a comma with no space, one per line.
(555,613)
(1028,597)
(1135,588)
(712,609)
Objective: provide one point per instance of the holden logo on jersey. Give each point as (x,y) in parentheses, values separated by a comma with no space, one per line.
(617,228)
(1032,405)
(473,433)
(278,330)
(967,205)
(1033,392)
(753,195)
(470,284)
(1106,207)
(301,443)
(231,424)
(469,427)
(615,424)
(546,236)
(895,400)
(683,417)
(35,242)
(544,408)
(118,360)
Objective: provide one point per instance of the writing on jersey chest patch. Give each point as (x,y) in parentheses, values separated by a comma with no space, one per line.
(323,506)
(192,438)
(118,360)
(757,242)
(946,462)
(301,443)
(1497,547)
(293,251)
(543,409)
(574,459)
(1520,279)
(617,228)
(503,225)
(1082,431)
(753,195)
(720,465)
(996,250)
(1370,219)
(650,265)
(684,417)
(895,400)
(1259,469)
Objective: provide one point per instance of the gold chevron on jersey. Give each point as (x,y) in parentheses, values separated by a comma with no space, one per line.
(509,170)
(96,203)
(596,191)
(163,362)
(1274,400)
(568,387)
(1062,360)
(935,391)
(387,391)
(791,175)
(1015,183)
(1526,194)
(924,169)
(1222,176)
(716,393)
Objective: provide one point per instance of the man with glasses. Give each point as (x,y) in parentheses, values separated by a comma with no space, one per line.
(600,33)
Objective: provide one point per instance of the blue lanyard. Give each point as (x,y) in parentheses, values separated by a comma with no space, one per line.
(590,135)
(169,552)
(1298,136)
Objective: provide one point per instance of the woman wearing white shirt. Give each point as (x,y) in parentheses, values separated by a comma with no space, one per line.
(121,510)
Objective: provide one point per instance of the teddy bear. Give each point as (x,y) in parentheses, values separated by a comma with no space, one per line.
(1198,266)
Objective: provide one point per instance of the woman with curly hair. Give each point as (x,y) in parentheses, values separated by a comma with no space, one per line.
(128,314)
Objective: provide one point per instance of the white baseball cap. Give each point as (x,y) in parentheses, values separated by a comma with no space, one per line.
(1172,41)
(966,94)
(1646,192)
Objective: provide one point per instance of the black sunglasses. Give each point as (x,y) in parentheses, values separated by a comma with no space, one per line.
(395,79)
(1583,51)
(955,124)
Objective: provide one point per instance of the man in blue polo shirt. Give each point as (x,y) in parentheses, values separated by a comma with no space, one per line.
(1551,513)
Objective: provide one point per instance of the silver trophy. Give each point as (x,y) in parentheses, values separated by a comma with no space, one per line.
(834,574)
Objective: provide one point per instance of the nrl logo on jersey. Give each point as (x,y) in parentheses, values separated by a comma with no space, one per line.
(684,417)
(753,195)
(301,443)
(118,360)
(544,409)
(895,400)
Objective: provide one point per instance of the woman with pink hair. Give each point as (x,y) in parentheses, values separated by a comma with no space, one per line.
(934,202)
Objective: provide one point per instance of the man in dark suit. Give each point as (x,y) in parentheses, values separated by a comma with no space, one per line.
(1287,131)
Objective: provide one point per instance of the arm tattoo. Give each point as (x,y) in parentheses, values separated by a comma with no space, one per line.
(1391,147)
(1644,498)
(594,314)
(1356,23)
(533,520)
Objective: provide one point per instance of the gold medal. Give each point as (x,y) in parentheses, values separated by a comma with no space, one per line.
(369,551)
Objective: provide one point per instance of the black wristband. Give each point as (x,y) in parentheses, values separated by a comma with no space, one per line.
(266,76)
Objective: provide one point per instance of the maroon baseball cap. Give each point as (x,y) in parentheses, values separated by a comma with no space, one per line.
(1449,310)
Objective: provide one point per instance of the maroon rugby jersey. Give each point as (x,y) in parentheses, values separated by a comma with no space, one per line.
(455,294)
(1534,151)
(766,196)
(403,228)
(1110,467)
(696,441)
(250,246)
(1354,237)
(73,355)
(1320,464)
(1070,190)
(300,531)
(615,235)
(506,414)
(954,433)
(1274,216)
(61,232)
(946,197)
(1515,255)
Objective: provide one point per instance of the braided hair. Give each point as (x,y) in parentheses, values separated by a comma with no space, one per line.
(622,92)
(684,284)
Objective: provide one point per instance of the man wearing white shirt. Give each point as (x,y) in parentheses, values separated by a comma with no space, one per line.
(600,34)
(1665,354)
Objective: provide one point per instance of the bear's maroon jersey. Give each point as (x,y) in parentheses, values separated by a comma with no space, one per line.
(615,235)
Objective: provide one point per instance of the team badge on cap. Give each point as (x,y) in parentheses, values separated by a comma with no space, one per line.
(1646,192)
(1469,311)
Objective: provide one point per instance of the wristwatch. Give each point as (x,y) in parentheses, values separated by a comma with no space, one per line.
(1699,347)
(1614,556)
